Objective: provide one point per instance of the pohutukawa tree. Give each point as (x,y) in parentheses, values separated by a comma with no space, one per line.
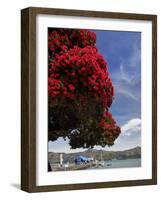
(80,90)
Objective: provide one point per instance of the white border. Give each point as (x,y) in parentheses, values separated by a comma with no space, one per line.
(50,178)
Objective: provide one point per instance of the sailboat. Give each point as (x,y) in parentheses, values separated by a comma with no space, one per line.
(101,163)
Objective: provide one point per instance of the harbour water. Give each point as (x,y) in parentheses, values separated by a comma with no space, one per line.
(136,162)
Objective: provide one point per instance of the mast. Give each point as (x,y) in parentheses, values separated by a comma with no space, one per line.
(61,159)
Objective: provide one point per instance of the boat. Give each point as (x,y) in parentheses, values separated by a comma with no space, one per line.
(101,163)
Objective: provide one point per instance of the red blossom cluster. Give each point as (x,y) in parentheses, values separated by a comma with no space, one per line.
(111,130)
(65,39)
(77,71)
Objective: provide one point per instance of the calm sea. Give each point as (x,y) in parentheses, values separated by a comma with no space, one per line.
(121,163)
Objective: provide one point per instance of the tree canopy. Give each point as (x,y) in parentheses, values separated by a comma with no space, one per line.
(80,90)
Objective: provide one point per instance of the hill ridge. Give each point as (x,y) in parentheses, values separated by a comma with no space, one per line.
(97,154)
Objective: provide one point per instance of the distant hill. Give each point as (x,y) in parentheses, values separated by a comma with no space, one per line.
(97,154)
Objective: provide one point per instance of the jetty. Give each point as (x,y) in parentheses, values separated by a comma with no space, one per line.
(80,163)
(72,166)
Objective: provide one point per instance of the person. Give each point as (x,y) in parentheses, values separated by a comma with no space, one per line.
(49,167)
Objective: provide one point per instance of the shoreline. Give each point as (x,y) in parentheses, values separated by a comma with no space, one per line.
(115,163)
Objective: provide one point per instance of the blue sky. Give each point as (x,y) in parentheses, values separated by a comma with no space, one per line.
(122,51)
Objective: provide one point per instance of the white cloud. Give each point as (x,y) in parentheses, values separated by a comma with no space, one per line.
(130,136)
(132,127)
(127,77)
(121,89)
(123,75)
(125,83)
(135,58)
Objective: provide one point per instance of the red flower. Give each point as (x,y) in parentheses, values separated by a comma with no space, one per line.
(71,87)
(83,69)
